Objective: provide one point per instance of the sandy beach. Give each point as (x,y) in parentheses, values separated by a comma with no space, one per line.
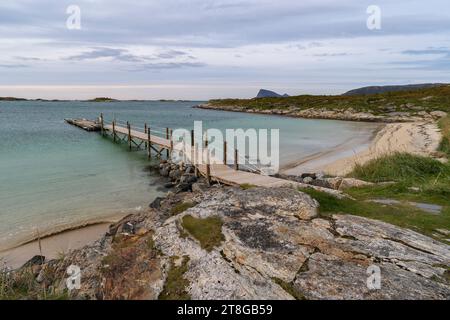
(420,138)
(54,246)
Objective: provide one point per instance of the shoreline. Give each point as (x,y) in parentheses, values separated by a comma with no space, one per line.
(57,242)
(54,246)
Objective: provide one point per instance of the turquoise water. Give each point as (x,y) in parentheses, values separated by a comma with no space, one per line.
(54,176)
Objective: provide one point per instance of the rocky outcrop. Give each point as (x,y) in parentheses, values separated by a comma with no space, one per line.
(274,245)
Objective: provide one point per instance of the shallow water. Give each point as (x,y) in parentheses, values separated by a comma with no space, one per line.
(53,176)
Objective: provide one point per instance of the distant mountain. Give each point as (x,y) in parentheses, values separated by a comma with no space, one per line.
(270,94)
(384,89)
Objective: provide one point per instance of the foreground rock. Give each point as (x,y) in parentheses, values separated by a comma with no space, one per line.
(273,244)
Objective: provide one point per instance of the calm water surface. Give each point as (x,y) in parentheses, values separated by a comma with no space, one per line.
(54,176)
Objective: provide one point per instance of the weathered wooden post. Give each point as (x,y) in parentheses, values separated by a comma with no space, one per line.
(236,162)
(167,137)
(145,131)
(129,135)
(114,130)
(102,124)
(171,149)
(225,152)
(192,138)
(208,168)
(149,144)
(196,160)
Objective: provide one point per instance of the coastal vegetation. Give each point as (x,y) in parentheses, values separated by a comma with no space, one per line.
(444,146)
(23,284)
(207,231)
(175,285)
(402,180)
(426,99)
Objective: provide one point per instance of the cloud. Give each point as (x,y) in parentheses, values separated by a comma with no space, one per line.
(427,51)
(101,52)
(170,65)
(337,54)
(170,54)
(13,66)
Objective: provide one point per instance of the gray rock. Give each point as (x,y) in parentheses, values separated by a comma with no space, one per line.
(438,114)
(156,204)
(308,180)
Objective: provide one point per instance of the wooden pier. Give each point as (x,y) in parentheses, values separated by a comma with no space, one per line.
(211,168)
(84,124)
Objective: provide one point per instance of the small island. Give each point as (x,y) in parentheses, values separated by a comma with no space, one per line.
(103,99)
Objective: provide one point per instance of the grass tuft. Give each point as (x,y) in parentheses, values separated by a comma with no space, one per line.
(175,285)
(399,167)
(207,231)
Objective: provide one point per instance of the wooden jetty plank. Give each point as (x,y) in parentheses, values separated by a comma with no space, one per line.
(84,124)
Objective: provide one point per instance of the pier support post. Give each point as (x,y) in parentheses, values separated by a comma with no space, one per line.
(167,137)
(102,124)
(149,144)
(114,130)
(236,162)
(225,152)
(196,163)
(145,131)
(129,135)
(208,168)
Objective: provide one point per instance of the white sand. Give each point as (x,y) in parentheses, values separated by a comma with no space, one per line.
(420,138)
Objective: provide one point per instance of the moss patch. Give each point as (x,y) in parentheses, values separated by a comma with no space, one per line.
(289,288)
(207,231)
(181,207)
(175,285)
(246,186)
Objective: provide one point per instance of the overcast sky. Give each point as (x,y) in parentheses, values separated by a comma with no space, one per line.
(201,49)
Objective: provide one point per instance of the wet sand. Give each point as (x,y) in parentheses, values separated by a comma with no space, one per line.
(55,245)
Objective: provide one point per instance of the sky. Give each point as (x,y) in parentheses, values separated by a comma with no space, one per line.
(204,49)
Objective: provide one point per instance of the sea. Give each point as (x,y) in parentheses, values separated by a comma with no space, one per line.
(55,177)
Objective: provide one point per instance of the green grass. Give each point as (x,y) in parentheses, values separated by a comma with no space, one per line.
(22,285)
(402,215)
(207,231)
(428,99)
(414,178)
(399,167)
(175,285)
(181,207)
(444,146)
